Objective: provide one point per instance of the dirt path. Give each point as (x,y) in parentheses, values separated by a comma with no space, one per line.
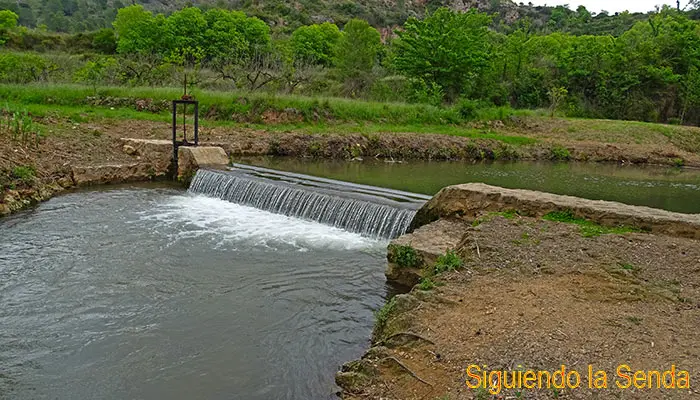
(537,295)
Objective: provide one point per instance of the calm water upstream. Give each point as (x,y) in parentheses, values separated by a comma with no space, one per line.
(660,187)
(153,293)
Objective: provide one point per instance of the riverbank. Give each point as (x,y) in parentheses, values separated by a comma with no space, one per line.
(535,295)
(36,169)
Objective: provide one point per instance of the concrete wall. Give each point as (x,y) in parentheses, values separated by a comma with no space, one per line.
(468,200)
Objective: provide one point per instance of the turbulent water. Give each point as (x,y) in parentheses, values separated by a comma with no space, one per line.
(355,215)
(143,293)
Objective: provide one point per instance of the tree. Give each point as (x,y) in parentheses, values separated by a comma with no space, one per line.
(95,72)
(8,20)
(356,53)
(185,29)
(138,31)
(315,43)
(446,49)
(105,41)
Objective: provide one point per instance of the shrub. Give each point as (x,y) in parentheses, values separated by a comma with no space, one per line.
(449,261)
(559,153)
(24,173)
(426,284)
(468,109)
(404,256)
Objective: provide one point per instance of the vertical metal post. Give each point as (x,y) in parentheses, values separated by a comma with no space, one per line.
(196,123)
(175,160)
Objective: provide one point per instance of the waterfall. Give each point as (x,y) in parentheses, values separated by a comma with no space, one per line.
(369,211)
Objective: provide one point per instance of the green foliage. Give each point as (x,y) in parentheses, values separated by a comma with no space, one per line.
(95,72)
(587,228)
(449,261)
(316,44)
(632,67)
(8,20)
(18,126)
(556,96)
(24,68)
(426,284)
(447,49)
(25,173)
(404,256)
(468,109)
(138,31)
(356,54)
(382,315)
(105,41)
(508,214)
(559,153)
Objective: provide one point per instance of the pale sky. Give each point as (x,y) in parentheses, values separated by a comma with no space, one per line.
(610,6)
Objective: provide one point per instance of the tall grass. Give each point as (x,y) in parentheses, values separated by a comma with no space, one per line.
(227,104)
(250,106)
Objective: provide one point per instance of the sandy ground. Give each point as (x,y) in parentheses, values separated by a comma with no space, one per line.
(536,296)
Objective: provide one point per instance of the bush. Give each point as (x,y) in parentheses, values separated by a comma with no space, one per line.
(468,109)
(24,68)
(559,153)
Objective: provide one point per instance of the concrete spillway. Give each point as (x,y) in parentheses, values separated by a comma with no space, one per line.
(367,210)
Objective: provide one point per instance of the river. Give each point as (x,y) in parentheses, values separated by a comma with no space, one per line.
(148,291)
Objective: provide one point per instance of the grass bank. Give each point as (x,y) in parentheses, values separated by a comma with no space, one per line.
(246,106)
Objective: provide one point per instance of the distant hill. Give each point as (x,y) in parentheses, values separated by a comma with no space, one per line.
(284,16)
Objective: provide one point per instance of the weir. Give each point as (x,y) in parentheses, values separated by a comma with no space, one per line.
(367,210)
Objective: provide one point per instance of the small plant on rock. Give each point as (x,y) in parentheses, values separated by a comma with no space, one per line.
(404,256)
(426,284)
(449,261)
(382,315)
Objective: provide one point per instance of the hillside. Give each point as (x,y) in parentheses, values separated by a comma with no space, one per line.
(74,16)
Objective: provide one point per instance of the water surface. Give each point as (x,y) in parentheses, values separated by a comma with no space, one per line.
(134,293)
(672,189)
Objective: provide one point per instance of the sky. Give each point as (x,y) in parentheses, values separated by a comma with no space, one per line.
(610,6)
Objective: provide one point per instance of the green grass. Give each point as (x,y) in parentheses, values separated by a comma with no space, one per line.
(225,105)
(508,214)
(372,128)
(587,228)
(426,284)
(24,173)
(449,261)
(613,131)
(313,115)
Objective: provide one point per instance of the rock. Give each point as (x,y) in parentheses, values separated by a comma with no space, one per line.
(190,159)
(65,182)
(355,375)
(157,153)
(351,381)
(112,173)
(429,242)
(376,353)
(130,150)
(467,201)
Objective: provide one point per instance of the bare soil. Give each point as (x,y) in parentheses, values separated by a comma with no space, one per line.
(536,295)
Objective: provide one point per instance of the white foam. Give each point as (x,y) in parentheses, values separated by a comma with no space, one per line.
(187,216)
